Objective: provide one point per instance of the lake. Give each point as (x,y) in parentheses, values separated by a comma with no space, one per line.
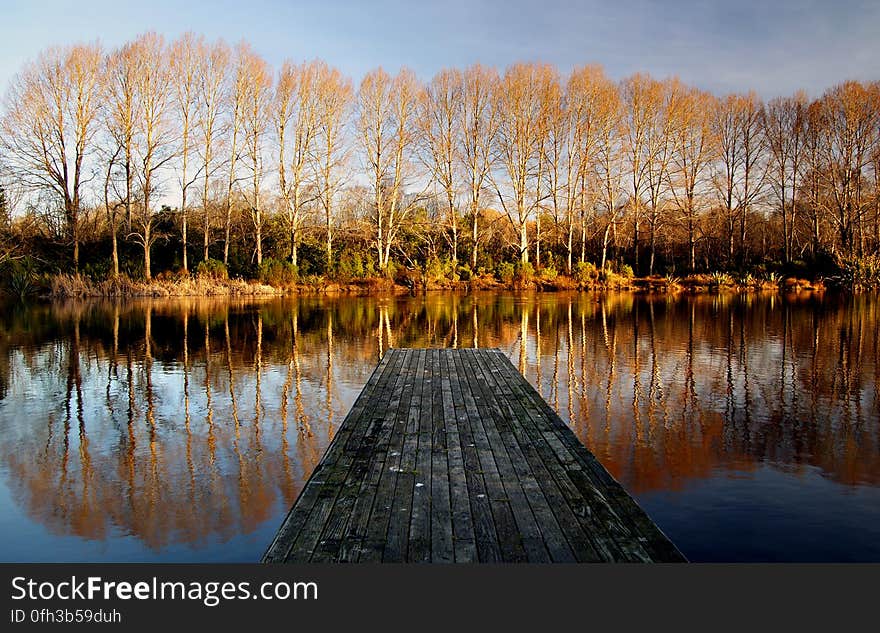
(747,426)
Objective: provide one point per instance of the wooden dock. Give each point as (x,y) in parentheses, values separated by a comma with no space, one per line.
(452,456)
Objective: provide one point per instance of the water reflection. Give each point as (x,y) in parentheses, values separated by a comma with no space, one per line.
(181,429)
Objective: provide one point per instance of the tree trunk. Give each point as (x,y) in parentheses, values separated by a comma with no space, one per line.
(75,246)
(115,250)
(259,223)
(569,243)
(604,248)
(147,275)
(329,239)
(636,243)
(206,227)
(183,196)
(183,231)
(538,240)
(228,228)
(474,247)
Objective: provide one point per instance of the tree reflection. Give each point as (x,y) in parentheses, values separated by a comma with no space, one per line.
(193,421)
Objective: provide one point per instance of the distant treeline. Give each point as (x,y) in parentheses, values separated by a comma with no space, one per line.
(161,156)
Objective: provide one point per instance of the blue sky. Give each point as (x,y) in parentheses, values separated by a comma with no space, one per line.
(772,47)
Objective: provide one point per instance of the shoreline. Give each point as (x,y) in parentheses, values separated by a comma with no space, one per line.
(71,287)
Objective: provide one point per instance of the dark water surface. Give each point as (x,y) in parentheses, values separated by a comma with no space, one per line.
(747,426)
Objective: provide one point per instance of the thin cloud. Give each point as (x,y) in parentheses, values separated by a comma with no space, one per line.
(773,48)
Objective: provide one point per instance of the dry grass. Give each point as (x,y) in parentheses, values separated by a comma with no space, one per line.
(71,286)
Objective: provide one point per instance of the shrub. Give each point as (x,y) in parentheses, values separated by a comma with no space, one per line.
(465,273)
(97,271)
(391,270)
(434,269)
(857,272)
(20,279)
(549,273)
(720,279)
(275,272)
(350,265)
(586,273)
(626,271)
(212,269)
(505,271)
(746,281)
(524,271)
(370,267)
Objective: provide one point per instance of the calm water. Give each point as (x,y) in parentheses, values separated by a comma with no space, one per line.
(748,427)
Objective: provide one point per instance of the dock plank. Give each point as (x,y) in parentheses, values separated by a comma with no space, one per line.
(452,456)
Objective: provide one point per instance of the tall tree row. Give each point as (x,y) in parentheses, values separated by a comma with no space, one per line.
(205,146)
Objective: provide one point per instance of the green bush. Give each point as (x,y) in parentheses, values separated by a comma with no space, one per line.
(434,269)
(134,268)
(505,271)
(97,271)
(350,265)
(20,279)
(391,271)
(549,273)
(276,272)
(858,272)
(586,273)
(212,269)
(626,271)
(524,271)
(465,273)
(370,269)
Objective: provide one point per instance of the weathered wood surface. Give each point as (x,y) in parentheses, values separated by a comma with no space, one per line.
(452,456)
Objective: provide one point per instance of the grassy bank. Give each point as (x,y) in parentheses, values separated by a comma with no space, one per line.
(23,282)
(70,286)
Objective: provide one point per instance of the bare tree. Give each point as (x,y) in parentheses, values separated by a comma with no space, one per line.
(295,111)
(692,154)
(213,75)
(608,173)
(235,107)
(154,140)
(439,131)
(479,126)
(642,99)
(519,140)
(587,116)
(257,98)
(551,150)
(739,170)
(387,132)
(851,132)
(50,121)
(330,155)
(783,125)
(121,113)
(184,57)
(661,131)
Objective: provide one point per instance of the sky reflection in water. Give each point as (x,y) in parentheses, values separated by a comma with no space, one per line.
(182,430)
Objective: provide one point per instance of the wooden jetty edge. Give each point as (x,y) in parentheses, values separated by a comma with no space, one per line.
(450,455)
